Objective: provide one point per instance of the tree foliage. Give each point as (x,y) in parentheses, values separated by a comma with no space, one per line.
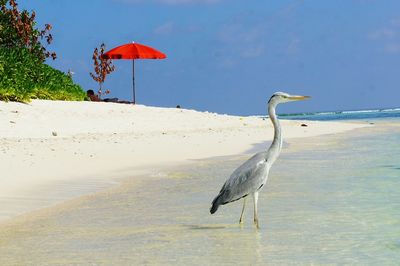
(23,72)
(102,67)
(17,30)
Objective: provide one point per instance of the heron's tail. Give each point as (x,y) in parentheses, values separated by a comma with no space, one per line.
(215,204)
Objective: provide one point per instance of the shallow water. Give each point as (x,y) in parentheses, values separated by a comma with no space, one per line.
(329,200)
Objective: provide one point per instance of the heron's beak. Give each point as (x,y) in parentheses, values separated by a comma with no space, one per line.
(298,97)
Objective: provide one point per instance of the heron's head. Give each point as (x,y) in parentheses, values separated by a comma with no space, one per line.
(283,97)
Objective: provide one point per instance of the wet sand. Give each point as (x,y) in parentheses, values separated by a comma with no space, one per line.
(330,199)
(53,151)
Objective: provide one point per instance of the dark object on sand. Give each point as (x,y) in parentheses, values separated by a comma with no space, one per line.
(304,125)
(92,96)
(95,98)
(111,100)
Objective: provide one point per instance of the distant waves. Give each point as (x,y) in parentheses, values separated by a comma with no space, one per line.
(345,115)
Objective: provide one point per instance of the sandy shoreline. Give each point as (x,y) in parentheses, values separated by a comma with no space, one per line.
(52,151)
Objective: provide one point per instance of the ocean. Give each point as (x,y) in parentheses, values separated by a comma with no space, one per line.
(345,115)
(329,200)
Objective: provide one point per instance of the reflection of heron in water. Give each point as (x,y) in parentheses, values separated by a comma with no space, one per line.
(252,175)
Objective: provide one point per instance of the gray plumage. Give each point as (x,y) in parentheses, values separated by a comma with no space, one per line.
(252,175)
(246,179)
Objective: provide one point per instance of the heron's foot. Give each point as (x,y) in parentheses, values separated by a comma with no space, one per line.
(256,223)
(241,221)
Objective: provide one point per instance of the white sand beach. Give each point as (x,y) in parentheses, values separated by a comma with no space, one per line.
(53,151)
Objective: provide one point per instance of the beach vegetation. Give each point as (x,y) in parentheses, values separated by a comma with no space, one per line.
(18,30)
(24,75)
(102,67)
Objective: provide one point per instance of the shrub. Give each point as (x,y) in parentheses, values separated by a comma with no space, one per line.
(102,67)
(24,77)
(23,73)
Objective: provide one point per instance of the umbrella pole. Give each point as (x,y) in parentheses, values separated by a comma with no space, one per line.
(133,81)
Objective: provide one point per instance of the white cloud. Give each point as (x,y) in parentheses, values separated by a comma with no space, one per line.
(249,34)
(393,48)
(171,2)
(178,2)
(395,22)
(243,41)
(227,63)
(238,32)
(293,46)
(388,36)
(165,29)
(169,28)
(255,50)
(382,34)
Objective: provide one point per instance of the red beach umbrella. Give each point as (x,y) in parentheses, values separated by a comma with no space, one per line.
(133,51)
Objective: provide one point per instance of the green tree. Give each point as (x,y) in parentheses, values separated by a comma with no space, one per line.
(23,72)
(18,30)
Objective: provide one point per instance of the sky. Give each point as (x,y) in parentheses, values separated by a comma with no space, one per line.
(229,56)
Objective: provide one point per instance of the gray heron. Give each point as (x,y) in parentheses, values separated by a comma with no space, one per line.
(252,175)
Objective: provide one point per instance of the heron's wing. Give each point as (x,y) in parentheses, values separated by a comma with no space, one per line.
(246,179)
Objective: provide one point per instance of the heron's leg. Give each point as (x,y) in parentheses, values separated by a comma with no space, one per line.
(255,200)
(241,215)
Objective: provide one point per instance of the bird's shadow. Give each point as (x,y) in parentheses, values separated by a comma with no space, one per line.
(205,227)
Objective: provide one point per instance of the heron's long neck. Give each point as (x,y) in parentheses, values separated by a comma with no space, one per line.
(276,145)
